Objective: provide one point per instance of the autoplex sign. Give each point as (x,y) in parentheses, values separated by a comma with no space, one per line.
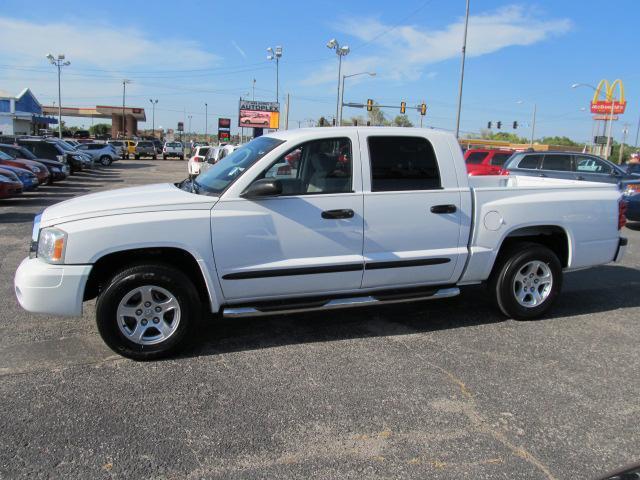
(604,106)
(259,114)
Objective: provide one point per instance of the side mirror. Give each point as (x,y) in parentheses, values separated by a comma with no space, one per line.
(266,187)
(615,173)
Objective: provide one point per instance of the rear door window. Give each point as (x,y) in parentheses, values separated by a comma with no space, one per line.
(530,162)
(558,163)
(402,163)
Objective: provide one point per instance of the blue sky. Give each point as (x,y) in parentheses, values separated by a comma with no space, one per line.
(191,52)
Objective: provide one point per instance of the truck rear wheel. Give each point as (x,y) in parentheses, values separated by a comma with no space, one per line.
(526,281)
(148,311)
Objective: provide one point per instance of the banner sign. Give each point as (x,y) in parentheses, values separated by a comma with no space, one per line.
(259,114)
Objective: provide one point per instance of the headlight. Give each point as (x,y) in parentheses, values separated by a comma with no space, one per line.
(51,245)
(35,170)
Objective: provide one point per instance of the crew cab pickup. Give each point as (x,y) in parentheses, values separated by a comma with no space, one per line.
(313,219)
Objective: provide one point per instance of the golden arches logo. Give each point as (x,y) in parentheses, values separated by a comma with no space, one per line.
(609,104)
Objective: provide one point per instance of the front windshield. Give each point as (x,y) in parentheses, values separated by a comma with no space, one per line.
(222,174)
(24,153)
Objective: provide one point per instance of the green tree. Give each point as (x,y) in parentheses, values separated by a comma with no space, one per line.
(503,137)
(100,129)
(376,116)
(402,121)
(564,141)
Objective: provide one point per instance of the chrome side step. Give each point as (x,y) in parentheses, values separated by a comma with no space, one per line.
(239,312)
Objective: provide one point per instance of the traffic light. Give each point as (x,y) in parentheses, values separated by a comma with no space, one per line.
(355,122)
(403,107)
(489,125)
(423,109)
(499,125)
(333,122)
(515,125)
(369,105)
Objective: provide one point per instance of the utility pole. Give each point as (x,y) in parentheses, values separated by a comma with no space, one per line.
(286,117)
(464,53)
(190,135)
(625,131)
(124,120)
(59,62)
(607,152)
(153,116)
(533,123)
(637,133)
(253,90)
(206,120)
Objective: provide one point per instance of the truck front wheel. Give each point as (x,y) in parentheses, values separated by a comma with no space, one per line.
(526,281)
(148,311)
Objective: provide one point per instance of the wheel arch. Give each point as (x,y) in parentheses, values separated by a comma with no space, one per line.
(554,237)
(107,265)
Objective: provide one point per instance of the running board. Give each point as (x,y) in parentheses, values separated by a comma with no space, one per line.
(239,312)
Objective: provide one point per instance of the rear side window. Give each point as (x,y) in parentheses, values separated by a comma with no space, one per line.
(402,163)
(559,163)
(530,162)
(476,157)
(500,158)
(592,165)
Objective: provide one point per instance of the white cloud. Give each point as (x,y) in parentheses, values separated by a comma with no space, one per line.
(406,50)
(98,45)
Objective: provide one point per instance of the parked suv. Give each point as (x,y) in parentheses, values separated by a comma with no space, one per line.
(100,152)
(569,166)
(173,149)
(52,151)
(58,170)
(482,161)
(145,148)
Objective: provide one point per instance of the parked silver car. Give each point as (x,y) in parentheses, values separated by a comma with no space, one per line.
(145,148)
(99,152)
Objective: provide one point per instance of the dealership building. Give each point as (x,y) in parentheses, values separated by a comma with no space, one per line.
(22,114)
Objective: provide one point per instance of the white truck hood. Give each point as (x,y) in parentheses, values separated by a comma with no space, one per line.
(148,198)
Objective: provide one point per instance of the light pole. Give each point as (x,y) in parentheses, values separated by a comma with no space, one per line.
(464,54)
(253,90)
(533,121)
(371,74)
(59,62)
(190,117)
(275,54)
(124,121)
(153,116)
(206,120)
(341,52)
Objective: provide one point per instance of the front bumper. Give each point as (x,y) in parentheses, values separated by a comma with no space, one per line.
(54,289)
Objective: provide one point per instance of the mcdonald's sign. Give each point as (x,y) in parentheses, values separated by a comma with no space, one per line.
(609,102)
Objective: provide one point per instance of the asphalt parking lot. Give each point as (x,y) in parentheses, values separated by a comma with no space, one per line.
(445,389)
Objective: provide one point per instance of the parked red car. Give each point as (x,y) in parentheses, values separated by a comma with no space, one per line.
(482,161)
(37,168)
(9,184)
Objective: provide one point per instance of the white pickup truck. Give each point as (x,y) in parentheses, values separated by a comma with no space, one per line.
(313,219)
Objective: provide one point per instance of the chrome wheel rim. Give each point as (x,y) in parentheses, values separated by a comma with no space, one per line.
(148,315)
(532,284)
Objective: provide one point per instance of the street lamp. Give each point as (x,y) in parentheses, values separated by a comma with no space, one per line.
(206,120)
(124,122)
(190,117)
(371,74)
(59,62)
(153,116)
(533,122)
(341,52)
(464,54)
(275,54)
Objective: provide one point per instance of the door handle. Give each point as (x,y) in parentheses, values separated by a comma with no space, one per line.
(579,177)
(443,209)
(542,174)
(337,214)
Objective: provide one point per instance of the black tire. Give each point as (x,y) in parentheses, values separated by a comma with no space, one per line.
(105,160)
(164,276)
(512,261)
